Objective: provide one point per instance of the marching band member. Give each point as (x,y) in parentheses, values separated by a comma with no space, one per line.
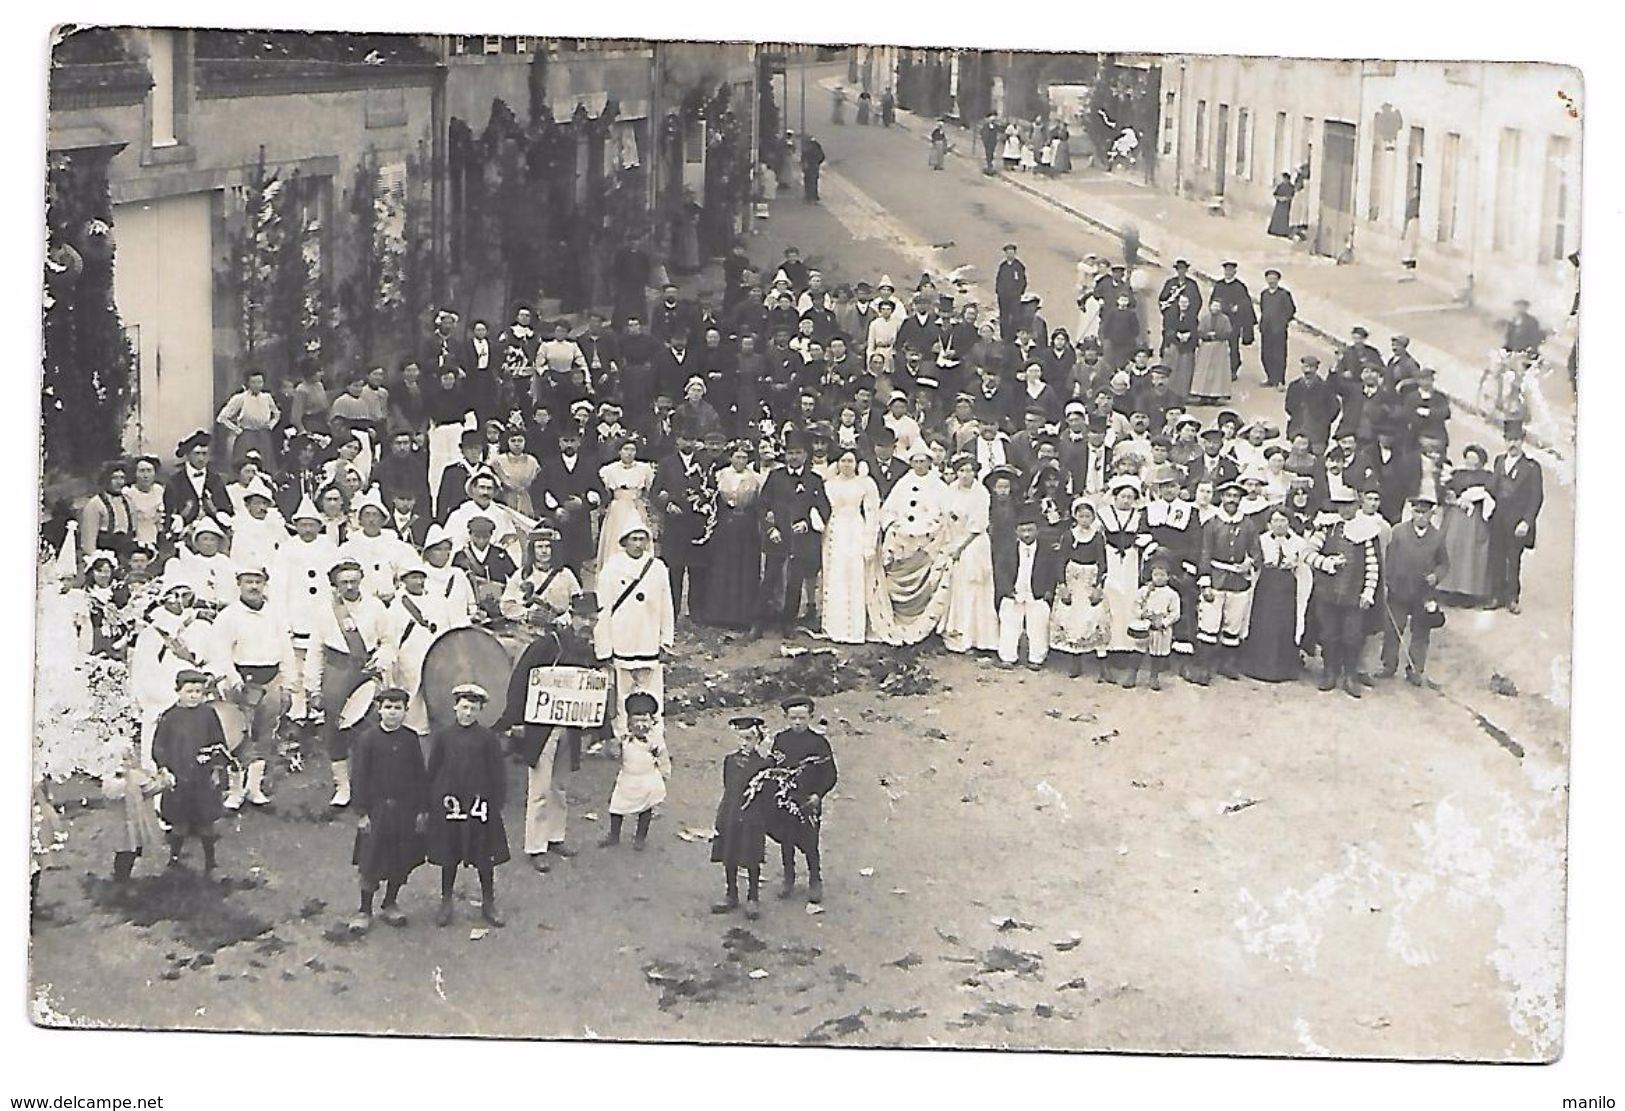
(350,650)
(381,554)
(255,650)
(175,638)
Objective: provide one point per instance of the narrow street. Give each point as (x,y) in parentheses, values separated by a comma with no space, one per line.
(1012,858)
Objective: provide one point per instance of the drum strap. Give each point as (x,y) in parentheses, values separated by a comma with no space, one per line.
(354,643)
(417,618)
(631,586)
(534,593)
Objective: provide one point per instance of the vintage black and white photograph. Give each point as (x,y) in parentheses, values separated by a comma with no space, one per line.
(852,545)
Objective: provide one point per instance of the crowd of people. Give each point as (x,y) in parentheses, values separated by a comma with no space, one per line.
(852,462)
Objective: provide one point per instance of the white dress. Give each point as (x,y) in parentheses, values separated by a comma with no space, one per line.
(971,623)
(628,488)
(146,512)
(1123,573)
(641,783)
(849,550)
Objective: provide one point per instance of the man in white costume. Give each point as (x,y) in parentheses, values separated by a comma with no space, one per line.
(299,588)
(635,628)
(349,656)
(381,554)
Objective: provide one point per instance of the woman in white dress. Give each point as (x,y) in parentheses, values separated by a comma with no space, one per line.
(628,480)
(1122,524)
(910,593)
(146,497)
(882,338)
(849,549)
(971,623)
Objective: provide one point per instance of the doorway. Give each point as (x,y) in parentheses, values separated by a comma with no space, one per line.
(1335,229)
(1221,126)
(163,285)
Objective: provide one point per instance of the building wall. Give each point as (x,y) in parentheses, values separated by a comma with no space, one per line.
(1516,175)
(1517,200)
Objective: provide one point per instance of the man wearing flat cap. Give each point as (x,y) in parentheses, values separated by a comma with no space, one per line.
(1413,563)
(253,642)
(636,624)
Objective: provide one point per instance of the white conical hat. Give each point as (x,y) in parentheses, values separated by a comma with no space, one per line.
(371,500)
(259,488)
(886,283)
(438,534)
(307,510)
(634,524)
(781,276)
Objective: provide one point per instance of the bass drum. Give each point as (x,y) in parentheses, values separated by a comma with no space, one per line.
(467,655)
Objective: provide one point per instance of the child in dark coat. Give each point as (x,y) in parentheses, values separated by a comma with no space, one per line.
(389,786)
(467,787)
(741,838)
(190,745)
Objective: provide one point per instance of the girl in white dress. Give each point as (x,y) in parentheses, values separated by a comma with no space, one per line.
(628,480)
(971,623)
(849,549)
(1080,620)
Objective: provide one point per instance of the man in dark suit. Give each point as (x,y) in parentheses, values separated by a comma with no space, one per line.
(1402,368)
(195,490)
(637,365)
(1025,575)
(1312,406)
(1412,564)
(671,315)
(453,490)
(661,437)
(884,465)
(1356,354)
(675,363)
(1181,282)
(601,349)
(403,469)
(480,359)
(679,480)
(1367,405)
(1426,410)
(1395,472)
(1212,465)
(407,517)
(567,487)
(1009,284)
(1232,295)
(1519,491)
(791,546)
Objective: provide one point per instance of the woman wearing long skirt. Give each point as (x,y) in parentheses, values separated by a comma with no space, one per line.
(1080,620)
(939,148)
(1061,156)
(1211,381)
(628,480)
(1122,524)
(1180,322)
(849,547)
(1281,217)
(1270,652)
(734,552)
(971,623)
(1466,527)
(909,590)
